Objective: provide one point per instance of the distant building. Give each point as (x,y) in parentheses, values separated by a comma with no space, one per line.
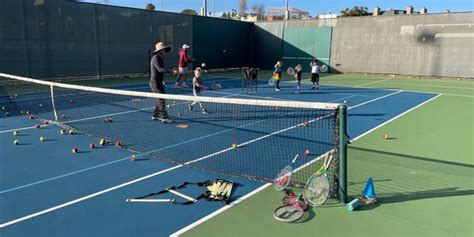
(294,13)
(327,16)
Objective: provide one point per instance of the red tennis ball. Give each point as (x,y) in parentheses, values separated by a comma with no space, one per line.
(37,126)
(132,158)
(92,145)
(118,143)
(46,122)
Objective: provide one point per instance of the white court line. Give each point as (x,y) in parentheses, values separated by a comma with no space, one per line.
(215,213)
(373,82)
(394,118)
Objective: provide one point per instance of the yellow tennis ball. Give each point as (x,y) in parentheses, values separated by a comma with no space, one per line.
(42,138)
(15,133)
(16,142)
(234,145)
(203,65)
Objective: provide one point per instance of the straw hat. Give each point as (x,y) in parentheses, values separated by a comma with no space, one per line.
(160,45)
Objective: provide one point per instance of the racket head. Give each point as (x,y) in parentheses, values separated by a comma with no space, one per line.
(271,81)
(216,86)
(324,68)
(290,71)
(288,213)
(316,190)
(283,178)
(291,199)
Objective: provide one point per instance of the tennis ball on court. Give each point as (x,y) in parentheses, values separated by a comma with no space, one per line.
(72,132)
(75,150)
(132,158)
(7,114)
(15,133)
(92,145)
(203,65)
(62,131)
(234,145)
(42,138)
(385,136)
(307,153)
(102,142)
(16,142)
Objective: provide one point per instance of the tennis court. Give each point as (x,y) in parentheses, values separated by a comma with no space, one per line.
(383,147)
(63,184)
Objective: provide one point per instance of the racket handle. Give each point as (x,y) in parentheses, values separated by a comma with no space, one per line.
(149,200)
(182,195)
(296,158)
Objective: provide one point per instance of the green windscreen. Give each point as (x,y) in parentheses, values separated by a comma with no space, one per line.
(301,44)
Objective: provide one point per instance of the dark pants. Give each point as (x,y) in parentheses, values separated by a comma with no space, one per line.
(278,84)
(160,107)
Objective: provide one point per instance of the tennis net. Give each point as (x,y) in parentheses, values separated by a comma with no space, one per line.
(247,138)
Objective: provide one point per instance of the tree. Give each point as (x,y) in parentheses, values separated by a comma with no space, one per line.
(242,7)
(259,11)
(355,11)
(189,12)
(150,7)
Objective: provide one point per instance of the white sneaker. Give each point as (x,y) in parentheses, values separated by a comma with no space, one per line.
(277,89)
(166,120)
(154,117)
(177,85)
(204,111)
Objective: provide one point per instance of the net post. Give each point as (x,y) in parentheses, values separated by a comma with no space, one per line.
(343,141)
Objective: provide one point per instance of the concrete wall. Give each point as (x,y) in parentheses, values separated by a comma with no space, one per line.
(425,45)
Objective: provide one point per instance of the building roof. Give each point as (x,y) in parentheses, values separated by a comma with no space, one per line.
(280,11)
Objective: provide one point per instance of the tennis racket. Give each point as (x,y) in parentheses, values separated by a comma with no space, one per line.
(291,210)
(271,81)
(324,68)
(216,86)
(290,71)
(316,190)
(283,178)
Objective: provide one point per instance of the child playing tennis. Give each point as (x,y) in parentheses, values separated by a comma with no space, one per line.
(197,87)
(314,74)
(298,74)
(277,74)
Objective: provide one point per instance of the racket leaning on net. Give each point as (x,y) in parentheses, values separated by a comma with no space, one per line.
(316,190)
(283,178)
(290,71)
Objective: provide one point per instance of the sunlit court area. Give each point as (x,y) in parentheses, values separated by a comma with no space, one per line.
(236,118)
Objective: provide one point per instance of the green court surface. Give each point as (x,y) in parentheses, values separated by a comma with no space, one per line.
(423,174)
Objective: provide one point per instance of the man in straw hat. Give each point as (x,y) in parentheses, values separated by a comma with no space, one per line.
(157,83)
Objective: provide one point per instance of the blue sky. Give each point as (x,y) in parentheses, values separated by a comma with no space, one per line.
(315,7)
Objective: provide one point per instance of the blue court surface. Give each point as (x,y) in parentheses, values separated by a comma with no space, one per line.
(46,190)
